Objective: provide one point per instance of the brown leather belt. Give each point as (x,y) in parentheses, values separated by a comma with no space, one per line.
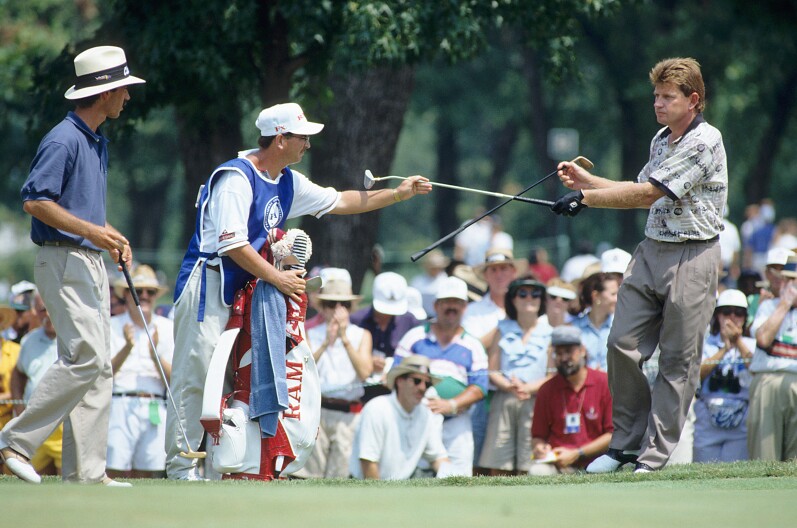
(336,404)
(214,267)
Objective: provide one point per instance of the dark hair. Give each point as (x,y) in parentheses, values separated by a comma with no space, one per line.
(715,323)
(594,283)
(514,286)
(87,102)
(265,141)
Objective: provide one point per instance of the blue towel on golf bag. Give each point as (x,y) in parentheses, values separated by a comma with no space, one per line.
(269,386)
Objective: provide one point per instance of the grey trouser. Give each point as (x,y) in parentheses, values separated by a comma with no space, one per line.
(670,290)
(76,389)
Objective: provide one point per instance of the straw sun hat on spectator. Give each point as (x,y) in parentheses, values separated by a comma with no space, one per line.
(496,256)
(143,277)
(414,364)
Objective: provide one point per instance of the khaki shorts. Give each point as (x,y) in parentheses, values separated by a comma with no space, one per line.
(507,445)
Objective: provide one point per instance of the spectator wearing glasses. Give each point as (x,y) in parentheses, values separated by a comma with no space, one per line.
(558,296)
(724,394)
(22,295)
(599,300)
(460,361)
(518,361)
(137,430)
(242,200)
(342,352)
(397,430)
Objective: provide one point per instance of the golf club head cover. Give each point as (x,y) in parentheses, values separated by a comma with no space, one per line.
(570,204)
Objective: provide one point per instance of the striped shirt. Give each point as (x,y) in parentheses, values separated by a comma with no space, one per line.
(464,360)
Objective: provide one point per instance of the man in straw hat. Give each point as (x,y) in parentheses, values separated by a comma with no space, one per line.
(396,431)
(342,352)
(460,360)
(240,202)
(65,195)
(138,409)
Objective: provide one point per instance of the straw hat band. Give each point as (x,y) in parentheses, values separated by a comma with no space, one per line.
(98,78)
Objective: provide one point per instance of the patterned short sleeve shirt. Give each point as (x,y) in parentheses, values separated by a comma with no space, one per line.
(694,175)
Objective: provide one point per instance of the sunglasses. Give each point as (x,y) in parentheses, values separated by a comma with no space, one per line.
(149,291)
(332,304)
(418,381)
(557,298)
(535,294)
(728,311)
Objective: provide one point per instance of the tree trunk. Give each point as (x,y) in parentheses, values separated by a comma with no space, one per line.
(361,129)
(448,157)
(758,186)
(205,141)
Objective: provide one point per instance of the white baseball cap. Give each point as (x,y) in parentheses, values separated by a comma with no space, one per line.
(452,288)
(390,293)
(285,118)
(615,260)
(732,298)
(779,256)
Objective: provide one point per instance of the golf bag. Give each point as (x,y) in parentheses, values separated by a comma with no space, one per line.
(238,450)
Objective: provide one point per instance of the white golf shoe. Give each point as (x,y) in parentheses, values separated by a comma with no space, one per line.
(19,466)
(111,483)
(613,460)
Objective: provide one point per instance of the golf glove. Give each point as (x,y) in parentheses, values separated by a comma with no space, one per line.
(570,204)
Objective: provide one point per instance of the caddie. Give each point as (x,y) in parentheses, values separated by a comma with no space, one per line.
(240,202)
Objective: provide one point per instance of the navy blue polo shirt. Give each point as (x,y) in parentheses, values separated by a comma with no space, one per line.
(71,169)
(384,340)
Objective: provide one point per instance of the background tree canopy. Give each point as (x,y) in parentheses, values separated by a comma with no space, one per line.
(460,91)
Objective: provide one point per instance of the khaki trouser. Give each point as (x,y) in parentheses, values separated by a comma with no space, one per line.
(669,289)
(194,343)
(76,389)
(772,417)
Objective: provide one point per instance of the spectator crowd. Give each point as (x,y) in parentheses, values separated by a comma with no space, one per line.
(495,367)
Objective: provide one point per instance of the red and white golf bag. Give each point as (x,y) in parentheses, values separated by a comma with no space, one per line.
(238,450)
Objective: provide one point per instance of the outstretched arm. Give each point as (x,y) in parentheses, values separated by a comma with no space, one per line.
(353,202)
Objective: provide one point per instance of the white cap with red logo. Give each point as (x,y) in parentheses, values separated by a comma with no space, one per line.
(285,118)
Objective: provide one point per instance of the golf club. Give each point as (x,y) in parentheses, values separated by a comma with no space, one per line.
(370,179)
(581,160)
(191,453)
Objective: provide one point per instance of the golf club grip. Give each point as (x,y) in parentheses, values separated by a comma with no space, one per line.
(547,203)
(129,280)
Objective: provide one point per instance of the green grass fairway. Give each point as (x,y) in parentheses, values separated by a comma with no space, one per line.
(744,495)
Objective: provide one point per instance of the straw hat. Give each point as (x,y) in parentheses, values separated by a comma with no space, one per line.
(496,256)
(100,69)
(337,286)
(143,277)
(414,364)
(7,316)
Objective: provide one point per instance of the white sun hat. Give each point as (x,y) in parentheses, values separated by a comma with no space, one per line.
(285,118)
(390,293)
(732,298)
(99,70)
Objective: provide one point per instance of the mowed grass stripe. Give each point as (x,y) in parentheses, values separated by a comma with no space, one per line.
(744,495)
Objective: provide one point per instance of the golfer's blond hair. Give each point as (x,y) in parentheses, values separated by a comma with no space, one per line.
(685,74)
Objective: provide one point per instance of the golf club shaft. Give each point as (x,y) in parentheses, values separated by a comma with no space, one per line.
(136,300)
(472,190)
(454,233)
